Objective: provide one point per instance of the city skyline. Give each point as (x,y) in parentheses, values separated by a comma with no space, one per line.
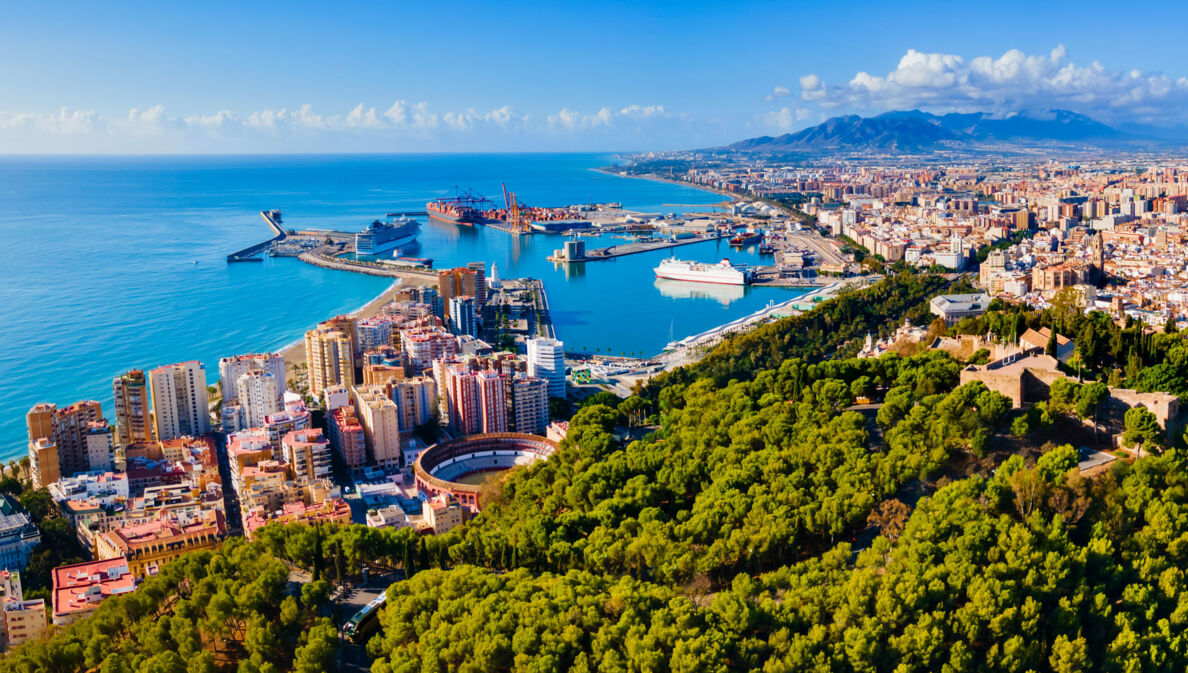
(652,76)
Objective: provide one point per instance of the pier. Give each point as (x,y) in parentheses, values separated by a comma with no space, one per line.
(634,248)
(252,252)
(323,258)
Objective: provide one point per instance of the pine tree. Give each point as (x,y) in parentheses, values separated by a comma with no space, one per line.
(1050,349)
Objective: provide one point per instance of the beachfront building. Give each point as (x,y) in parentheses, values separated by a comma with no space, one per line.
(66,430)
(232,368)
(329,352)
(133,413)
(181,404)
(546,360)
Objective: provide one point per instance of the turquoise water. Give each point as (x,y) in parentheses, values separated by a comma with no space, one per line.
(116,263)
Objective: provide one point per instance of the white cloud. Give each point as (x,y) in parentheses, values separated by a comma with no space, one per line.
(402,126)
(778,92)
(398,113)
(361,117)
(786,119)
(1011,82)
(62,122)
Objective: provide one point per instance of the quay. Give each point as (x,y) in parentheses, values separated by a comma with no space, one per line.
(322,257)
(252,252)
(613,251)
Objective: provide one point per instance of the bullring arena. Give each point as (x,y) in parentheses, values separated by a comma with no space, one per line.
(446,466)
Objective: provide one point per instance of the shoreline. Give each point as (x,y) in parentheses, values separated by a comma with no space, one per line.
(733,197)
(294,353)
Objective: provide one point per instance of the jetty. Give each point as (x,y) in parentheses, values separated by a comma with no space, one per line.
(253,253)
(634,248)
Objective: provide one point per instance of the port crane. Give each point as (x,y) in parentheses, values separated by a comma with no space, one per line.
(518,221)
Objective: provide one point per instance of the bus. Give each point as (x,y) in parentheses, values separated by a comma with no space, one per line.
(365,620)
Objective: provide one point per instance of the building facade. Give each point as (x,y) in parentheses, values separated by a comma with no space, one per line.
(181,404)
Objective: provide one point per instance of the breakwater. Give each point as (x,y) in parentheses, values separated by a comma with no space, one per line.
(252,252)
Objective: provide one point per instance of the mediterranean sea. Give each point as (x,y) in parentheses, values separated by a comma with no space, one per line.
(115,263)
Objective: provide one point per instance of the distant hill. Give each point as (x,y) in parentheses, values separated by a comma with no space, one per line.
(915,131)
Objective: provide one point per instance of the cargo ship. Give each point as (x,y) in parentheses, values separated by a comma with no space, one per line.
(723,272)
(745,238)
(382,237)
(464,208)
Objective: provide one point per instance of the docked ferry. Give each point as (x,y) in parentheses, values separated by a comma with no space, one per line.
(380,238)
(723,272)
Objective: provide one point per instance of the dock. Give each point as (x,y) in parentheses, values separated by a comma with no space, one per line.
(634,248)
(253,253)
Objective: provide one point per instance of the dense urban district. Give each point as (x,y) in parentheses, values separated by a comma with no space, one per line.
(971,458)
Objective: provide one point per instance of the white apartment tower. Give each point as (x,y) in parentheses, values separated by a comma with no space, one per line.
(546,360)
(181,405)
(259,394)
(230,369)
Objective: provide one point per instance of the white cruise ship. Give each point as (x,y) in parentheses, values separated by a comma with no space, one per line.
(723,272)
(382,237)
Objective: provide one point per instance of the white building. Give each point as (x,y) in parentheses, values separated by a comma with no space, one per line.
(387,517)
(230,369)
(546,360)
(259,394)
(100,446)
(181,405)
(375,332)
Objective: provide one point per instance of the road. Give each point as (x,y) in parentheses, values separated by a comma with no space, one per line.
(352,657)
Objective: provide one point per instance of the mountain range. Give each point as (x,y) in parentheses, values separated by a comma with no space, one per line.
(915,131)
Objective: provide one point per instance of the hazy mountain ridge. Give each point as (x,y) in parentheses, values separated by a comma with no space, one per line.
(916,131)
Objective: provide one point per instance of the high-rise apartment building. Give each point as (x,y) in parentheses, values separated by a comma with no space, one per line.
(546,360)
(480,284)
(100,446)
(381,424)
(347,436)
(329,351)
(493,398)
(181,404)
(374,332)
(414,398)
(530,405)
(65,432)
(461,282)
(473,401)
(308,454)
(462,316)
(133,412)
(259,394)
(422,346)
(230,369)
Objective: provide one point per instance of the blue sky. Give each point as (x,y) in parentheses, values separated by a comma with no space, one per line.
(345,77)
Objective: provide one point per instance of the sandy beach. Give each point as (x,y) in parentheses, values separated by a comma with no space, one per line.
(294,353)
